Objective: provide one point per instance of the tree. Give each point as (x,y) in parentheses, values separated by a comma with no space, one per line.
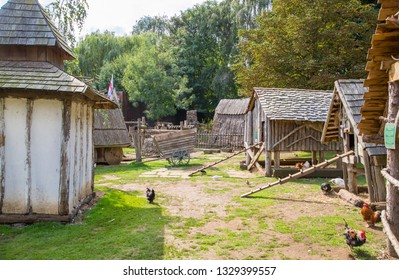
(157,24)
(151,77)
(305,44)
(68,15)
(98,48)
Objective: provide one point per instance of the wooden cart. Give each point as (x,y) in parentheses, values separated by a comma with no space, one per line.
(176,146)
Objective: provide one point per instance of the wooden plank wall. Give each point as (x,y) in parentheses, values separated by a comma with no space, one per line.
(306,138)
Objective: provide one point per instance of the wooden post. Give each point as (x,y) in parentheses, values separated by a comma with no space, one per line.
(268,147)
(314,157)
(277,159)
(321,156)
(249,135)
(137,141)
(392,208)
(368,174)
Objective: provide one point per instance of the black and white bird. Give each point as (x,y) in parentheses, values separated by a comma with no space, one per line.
(338,182)
(150,193)
(203,172)
(326,188)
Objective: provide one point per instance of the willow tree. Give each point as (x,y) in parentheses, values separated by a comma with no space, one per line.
(305,44)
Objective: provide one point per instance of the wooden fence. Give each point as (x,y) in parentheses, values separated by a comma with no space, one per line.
(207,140)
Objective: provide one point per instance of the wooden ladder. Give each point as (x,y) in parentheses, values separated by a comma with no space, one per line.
(299,174)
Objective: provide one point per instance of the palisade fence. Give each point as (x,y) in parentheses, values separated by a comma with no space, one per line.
(208,140)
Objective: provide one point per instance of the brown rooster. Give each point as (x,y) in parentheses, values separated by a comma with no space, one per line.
(370,216)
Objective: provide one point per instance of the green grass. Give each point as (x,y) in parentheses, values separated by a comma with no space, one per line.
(122,226)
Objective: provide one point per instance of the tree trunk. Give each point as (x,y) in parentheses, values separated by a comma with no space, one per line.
(392,166)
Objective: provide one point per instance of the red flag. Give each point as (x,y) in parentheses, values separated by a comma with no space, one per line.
(111,88)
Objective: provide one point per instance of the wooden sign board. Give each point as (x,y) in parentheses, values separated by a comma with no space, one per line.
(390,135)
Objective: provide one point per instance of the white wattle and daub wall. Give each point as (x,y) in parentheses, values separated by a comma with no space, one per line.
(46,158)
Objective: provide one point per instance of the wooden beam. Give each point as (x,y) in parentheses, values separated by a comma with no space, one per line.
(387,229)
(299,174)
(222,160)
(256,157)
(288,135)
(375,138)
(394,72)
(386,12)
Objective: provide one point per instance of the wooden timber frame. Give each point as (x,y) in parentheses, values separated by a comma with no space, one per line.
(286,120)
(381,103)
(299,174)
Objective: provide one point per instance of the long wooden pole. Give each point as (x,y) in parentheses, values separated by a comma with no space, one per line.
(299,174)
(222,160)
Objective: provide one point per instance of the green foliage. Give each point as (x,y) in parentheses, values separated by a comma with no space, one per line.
(151,77)
(306,44)
(68,15)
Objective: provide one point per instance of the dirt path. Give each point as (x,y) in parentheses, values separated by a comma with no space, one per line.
(209,220)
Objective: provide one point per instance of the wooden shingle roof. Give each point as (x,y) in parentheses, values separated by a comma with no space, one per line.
(348,96)
(33,76)
(25,22)
(232,106)
(384,48)
(294,104)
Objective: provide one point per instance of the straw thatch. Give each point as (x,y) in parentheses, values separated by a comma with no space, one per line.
(110,129)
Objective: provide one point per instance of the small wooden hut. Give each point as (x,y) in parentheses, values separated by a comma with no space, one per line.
(341,126)
(110,136)
(46,121)
(287,120)
(229,122)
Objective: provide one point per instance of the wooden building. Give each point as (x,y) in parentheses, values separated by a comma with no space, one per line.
(110,136)
(229,120)
(341,126)
(287,120)
(379,113)
(46,121)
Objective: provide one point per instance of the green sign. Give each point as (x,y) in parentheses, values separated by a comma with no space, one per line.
(390,135)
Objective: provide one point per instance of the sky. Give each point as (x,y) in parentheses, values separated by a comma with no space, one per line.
(119,16)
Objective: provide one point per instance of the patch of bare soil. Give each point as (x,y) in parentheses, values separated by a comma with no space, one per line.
(201,200)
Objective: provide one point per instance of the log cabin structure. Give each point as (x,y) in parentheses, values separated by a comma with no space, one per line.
(46,121)
(341,126)
(379,113)
(286,120)
(229,121)
(110,136)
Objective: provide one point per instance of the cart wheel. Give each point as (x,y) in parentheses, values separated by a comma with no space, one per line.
(180,157)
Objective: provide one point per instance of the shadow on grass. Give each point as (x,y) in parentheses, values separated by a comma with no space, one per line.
(121,226)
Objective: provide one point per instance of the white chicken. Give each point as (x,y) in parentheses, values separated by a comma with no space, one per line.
(338,182)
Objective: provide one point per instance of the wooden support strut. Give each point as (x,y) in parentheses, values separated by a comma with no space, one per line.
(299,174)
(389,233)
(231,156)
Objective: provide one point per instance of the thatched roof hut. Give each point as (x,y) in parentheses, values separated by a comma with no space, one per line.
(110,136)
(228,124)
(230,116)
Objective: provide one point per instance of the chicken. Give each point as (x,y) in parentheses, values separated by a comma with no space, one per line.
(299,165)
(203,172)
(354,238)
(150,193)
(369,215)
(306,165)
(326,188)
(248,183)
(338,182)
